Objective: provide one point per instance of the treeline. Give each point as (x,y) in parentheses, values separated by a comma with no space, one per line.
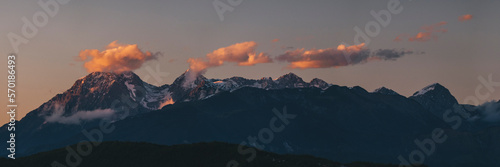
(131,154)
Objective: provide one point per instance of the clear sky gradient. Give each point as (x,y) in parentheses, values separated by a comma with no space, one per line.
(182,29)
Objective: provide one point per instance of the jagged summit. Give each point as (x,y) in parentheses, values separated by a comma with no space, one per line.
(290,77)
(266,78)
(290,80)
(435,98)
(187,88)
(188,80)
(319,83)
(111,75)
(436,92)
(104,83)
(385,91)
(435,87)
(103,80)
(107,82)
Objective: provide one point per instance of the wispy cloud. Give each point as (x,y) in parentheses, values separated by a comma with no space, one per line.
(58,115)
(400,37)
(488,112)
(429,32)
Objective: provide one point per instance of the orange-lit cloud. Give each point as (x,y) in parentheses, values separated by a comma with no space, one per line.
(429,32)
(243,54)
(337,57)
(115,58)
(421,37)
(352,48)
(276,40)
(465,17)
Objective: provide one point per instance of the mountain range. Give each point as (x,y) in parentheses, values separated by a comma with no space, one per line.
(339,123)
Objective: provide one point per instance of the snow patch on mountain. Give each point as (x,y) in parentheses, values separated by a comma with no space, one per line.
(385,91)
(131,88)
(155,97)
(425,90)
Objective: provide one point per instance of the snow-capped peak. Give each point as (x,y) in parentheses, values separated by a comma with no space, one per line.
(98,89)
(429,88)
